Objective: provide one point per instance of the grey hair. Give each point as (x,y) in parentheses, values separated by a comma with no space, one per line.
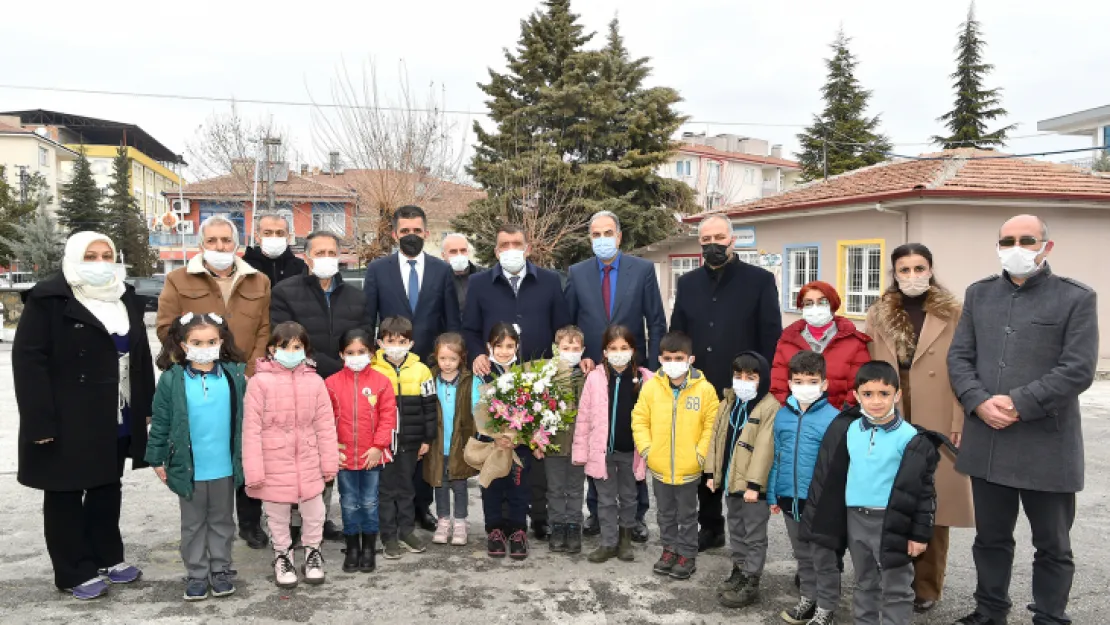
(271,215)
(454,234)
(219,219)
(315,234)
(715,217)
(604,214)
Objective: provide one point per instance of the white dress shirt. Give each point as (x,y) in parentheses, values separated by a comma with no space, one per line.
(406,268)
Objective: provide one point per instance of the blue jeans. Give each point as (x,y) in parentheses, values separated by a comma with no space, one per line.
(358,499)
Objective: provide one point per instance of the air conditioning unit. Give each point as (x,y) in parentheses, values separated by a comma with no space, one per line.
(179,206)
(185,227)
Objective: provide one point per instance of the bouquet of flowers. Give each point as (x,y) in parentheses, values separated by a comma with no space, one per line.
(531,403)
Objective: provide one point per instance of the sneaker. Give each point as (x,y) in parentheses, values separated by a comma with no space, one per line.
(196,589)
(665,563)
(254,536)
(684,568)
(285,572)
(496,544)
(976,618)
(413,543)
(95,587)
(743,596)
(313,566)
(518,545)
(735,580)
(332,531)
(122,573)
(221,585)
(459,532)
(801,612)
(822,617)
(443,531)
(391,549)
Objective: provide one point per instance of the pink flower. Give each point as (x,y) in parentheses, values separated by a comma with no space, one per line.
(551,404)
(520,401)
(517,419)
(540,438)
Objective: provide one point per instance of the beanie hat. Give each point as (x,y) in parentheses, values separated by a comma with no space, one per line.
(828,290)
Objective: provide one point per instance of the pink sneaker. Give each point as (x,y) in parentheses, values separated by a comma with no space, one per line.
(443,531)
(458,536)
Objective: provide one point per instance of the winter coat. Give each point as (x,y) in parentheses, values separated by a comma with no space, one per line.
(365,411)
(538,309)
(417,402)
(591,428)
(170,443)
(289,441)
(909,512)
(672,429)
(564,438)
(437,306)
(933,404)
(276,269)
(463,430)
(755,446)
(246,313)
(844,355)
(797,441)
(301,299)
(66,371)
(462,284)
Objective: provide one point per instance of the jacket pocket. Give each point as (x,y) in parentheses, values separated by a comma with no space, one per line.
(194,294)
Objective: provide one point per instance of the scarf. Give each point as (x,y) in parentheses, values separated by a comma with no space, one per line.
(102,301)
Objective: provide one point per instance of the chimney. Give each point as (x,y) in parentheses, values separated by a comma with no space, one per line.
(776,151)
(335,166)
(304,169)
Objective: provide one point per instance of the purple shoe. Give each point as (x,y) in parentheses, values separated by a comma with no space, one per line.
(122,573)
(95,587)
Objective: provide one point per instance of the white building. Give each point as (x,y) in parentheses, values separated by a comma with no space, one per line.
(726,169)
(1093,123)
(35,152)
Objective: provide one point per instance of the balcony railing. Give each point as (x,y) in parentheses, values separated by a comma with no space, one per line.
(770,188)
(167,239)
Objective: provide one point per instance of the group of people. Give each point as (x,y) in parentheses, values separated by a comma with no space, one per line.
(279,381)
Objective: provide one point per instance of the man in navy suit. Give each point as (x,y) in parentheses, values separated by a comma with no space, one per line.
(614,289)
(420,288)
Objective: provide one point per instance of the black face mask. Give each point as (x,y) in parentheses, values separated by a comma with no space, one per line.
(714,254)
(411,244)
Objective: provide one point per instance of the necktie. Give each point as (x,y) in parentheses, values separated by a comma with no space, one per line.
(414,286)
(515,281)
(606,292)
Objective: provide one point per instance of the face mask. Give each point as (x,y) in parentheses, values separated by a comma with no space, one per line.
(459,263)
(289,359)
(676,369)
(411,245)
(512,260)
(325,267)
(357,363)
(219,260)
(817,315)
(1018,261)
(202,355)
(605,247)
(619,359)
(504,365)
(806,393)
(571,358)
(96,273)
(745,390)
(914,286)
(873,418)
(274,246)
(396,352)
(714,254)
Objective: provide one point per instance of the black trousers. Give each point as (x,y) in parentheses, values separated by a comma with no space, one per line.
(425,494)
(710,511)
(537,480)
(82,528)
(247,509)
(505,501)
(1050,518)
(643,501)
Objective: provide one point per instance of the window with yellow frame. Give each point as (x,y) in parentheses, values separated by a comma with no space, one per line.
(859,274)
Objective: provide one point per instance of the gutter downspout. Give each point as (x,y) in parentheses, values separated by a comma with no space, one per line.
(905,220)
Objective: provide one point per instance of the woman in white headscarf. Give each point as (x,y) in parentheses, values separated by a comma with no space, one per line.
(84,383)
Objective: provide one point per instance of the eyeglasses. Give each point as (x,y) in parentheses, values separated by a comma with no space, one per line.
(1024,241)
(811,303)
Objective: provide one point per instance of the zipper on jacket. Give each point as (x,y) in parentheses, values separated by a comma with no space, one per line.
(797,448)
(613,415)
(296,437)
(736,431)
(355,451)
(674,426)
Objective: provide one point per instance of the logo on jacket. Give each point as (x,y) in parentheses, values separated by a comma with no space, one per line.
(370,396)
(428,388)
(693,403)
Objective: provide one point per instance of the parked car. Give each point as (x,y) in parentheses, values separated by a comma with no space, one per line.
(149,289)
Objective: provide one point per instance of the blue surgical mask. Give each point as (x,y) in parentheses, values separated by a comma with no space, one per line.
(605,247)
(289,359)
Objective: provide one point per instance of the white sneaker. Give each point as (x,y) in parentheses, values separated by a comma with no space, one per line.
(458,535)
(443,531)
(313,566)
(285,571)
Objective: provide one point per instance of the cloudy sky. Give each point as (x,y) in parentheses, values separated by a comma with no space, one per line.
(733,61)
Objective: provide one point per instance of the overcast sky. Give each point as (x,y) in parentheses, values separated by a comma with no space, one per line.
(731,60)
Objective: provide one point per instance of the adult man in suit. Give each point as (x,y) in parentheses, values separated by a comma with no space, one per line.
(614,289)
(420,288)
(456,252)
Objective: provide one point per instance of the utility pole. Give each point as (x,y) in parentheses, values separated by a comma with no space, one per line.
(825,155)
(272,145)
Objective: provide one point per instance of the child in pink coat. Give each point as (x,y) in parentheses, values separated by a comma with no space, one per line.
(603,441)
(290,448)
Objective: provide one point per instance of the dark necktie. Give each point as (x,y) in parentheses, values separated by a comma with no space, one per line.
(515,282)
(606,295)
(414,286)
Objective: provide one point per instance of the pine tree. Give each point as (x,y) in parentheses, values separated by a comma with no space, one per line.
(975,105)
(16,203)
(80,206)
(125,223)
(841,137)
(37,244)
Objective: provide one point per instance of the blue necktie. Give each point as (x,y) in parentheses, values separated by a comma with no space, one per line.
(414,286)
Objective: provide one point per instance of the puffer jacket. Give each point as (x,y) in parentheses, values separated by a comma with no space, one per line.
(844,355)
(325,317)
(754,451)
(463,429)
(797,440)
(289,442)
(910,512)
(417,403)
(365,414)
(170,443)
(591,428)
(672,427)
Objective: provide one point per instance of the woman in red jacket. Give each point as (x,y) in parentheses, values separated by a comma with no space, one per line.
(836,338)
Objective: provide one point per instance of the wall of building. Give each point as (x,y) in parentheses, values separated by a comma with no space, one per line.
(149,179)
(23,150)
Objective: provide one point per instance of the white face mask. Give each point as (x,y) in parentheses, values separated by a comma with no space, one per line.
(873,418)
(219,260)
(745,390)
(806,393)
(202,355)
(96,273)
(397,352)
(504,365)
(459,263)
(675,369)
(357,363)
(914,286)
(325,267)
(274,246)
(1018,261)
(619,359)
(817,316)
(512,260)
(571,358)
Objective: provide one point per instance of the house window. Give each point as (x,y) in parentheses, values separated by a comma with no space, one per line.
(748,256)
(713,178)
(329,217)
(861,277)
(44,157)
(1106,138)
(682,168)
(682,265)
(749,175)
(801,268)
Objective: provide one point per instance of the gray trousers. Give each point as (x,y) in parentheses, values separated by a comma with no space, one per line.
(443,494)
(329,492)
(676,509)
(747,533)
(565,488)
(208,527)
(882,595)
(817,568)
(616,497)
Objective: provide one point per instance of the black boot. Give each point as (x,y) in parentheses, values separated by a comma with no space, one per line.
(574,538)
(557,541)
(624,545)
(351,554)
(367,557)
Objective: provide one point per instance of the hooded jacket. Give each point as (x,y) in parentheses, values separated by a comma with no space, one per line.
(672,426)
(276,269)
(744,454)
(798,438)
(417,403)
(365,414)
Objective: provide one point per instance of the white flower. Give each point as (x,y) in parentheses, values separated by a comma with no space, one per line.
(562,405)
(537,406)
(505,383)
(540,386)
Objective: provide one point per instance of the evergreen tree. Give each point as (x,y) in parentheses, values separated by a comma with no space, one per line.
(841,136)
(126,225)
(16,202)
(37,244)
(975,105)
(80,208)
